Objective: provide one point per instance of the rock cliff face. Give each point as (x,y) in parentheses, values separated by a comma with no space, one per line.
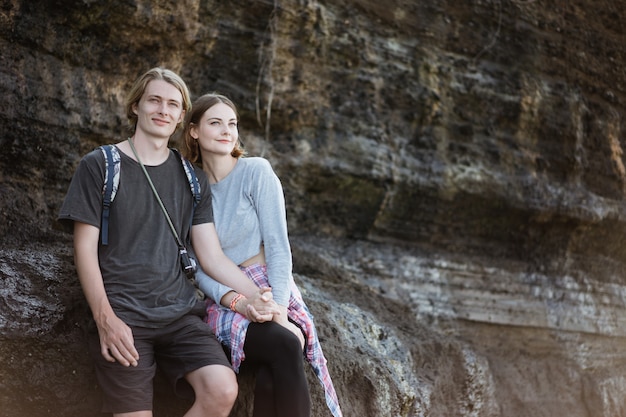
(454,176)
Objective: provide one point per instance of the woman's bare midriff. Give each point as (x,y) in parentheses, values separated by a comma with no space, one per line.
(259,258)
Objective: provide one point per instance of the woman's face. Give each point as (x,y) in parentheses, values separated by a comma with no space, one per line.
(216,131)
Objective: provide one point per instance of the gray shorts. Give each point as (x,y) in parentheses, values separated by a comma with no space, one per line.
(178,348)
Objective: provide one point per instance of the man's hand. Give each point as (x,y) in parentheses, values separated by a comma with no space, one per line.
(116,341)
(116,338)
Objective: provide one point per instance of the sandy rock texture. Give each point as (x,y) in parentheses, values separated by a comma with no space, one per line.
(454,176)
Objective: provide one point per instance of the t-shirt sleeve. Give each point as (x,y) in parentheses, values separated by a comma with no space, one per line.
(83,201)
(204,210)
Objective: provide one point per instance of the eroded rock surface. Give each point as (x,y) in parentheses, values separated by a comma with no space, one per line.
(454,175)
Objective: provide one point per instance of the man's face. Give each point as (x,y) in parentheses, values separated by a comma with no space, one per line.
(159,110)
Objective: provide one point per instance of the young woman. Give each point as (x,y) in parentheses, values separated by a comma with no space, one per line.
(250,218)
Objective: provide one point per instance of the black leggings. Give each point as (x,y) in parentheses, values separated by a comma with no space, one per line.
(281,388)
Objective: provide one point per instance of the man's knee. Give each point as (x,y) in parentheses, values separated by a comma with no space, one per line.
(214,386)
(225,391)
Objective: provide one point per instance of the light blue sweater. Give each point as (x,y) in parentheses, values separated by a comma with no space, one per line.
(249,210)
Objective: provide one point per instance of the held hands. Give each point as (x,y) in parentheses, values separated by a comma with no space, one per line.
(260,307)
(116,341)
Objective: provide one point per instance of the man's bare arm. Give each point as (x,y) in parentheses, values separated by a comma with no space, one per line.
(116,338)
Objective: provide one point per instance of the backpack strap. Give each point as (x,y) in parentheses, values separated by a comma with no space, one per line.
(190,172)
(109,189)
(194,185)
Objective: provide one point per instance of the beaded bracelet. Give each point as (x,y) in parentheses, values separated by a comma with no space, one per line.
(234,301)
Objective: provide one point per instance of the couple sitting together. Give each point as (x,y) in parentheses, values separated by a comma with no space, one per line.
(146,310)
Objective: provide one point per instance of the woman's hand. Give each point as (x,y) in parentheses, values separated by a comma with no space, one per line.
(283,320)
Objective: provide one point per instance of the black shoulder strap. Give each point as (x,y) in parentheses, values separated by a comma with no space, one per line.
(109,189)
(194,185)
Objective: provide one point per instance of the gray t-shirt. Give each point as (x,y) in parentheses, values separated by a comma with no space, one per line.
(140,266)
(249,210)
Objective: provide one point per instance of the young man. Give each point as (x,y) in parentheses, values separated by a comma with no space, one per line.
(145,309)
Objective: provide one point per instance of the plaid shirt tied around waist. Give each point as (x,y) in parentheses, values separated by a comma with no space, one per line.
(230,329)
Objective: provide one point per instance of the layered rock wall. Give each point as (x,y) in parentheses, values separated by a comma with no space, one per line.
(454,176)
